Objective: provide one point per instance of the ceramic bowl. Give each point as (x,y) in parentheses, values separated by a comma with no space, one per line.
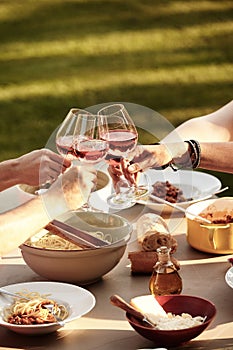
(82,266)
(177,304)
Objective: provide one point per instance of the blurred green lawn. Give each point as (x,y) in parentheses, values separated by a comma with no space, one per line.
(174,57)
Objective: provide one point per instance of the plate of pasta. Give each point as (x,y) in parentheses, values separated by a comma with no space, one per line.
(29,313)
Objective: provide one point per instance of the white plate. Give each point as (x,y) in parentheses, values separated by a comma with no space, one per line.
(194,184)
(78,301)
(13,197)
(229,277)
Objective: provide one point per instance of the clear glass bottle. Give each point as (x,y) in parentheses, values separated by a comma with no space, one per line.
(165,278)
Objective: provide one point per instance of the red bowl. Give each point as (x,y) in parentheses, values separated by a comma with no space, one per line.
(177,304)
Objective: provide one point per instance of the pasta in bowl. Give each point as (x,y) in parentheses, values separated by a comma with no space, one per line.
(31,318)
(57,259)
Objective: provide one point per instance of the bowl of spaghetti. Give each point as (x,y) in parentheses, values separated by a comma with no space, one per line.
(27,314)
(57,259)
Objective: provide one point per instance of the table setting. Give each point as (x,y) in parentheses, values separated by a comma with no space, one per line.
(104,254)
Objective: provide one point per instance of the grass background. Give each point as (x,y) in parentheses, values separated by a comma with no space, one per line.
(174,57)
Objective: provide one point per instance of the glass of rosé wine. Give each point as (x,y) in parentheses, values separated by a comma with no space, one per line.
(87,146)
(78,139)
(121,135)
(65,134)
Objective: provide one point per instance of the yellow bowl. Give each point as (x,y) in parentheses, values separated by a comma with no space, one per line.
(210,238)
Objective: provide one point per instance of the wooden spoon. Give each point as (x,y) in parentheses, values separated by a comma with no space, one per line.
(116,300)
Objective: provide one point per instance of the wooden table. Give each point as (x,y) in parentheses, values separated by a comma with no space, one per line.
(105,327)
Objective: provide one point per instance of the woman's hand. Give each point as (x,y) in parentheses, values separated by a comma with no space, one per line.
(117,169)
(40,166)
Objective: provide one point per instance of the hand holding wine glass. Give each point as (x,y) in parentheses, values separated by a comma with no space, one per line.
(122,137)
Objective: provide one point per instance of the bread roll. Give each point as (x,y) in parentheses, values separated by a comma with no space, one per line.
(153,232)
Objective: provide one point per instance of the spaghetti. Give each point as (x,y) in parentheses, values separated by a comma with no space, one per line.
(53,241)
(34,311)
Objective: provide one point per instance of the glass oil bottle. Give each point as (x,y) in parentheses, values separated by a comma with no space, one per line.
(165,278)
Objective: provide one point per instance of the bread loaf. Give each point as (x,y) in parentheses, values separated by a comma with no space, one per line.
(152,233)
(143,262)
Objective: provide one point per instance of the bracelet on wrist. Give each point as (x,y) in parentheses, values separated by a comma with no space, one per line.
(194,158)
(195,154)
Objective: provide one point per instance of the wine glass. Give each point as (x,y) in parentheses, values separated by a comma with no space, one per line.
(65,134)
(64,140)
(65,137)
(121,135)
(78,139)
(88,147)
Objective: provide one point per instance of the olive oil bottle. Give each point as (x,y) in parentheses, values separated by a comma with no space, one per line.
(165,278)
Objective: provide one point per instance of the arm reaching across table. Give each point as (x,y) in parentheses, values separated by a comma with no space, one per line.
(205,142)
(33,168)
(69,192)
